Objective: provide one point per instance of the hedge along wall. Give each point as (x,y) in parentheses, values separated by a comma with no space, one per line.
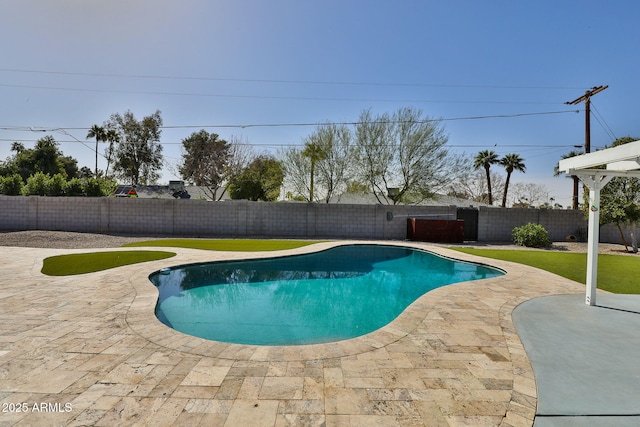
(241,218)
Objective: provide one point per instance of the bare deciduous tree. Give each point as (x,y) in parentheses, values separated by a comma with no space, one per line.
(325,161)
(473,186)
(407,152)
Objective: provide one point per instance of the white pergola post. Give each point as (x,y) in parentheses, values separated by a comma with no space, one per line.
(623,160)
(595,184)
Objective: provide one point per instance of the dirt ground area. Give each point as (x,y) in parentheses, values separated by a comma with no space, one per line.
(69,240)
(64,239)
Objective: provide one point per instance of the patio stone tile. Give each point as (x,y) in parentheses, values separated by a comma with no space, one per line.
(250,388)
(54,382)
(195,392)
(309,420)
(282,388)
(253,413)
(364,382)
(204,374)
(229,388)
(452,358)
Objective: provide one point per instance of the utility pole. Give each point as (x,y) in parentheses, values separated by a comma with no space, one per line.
(587,130)
(587,105)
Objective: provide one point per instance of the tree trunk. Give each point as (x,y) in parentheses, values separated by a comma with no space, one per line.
(313,163)
(634,238)
(506,187)
(489,185)
(626,247)
(576,186)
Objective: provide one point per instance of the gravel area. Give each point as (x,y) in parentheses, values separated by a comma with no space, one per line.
(64,239)
(70,240)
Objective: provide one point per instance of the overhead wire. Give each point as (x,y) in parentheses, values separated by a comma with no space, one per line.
(299,124)
(300,144)
(603,123)
(64,130)
(314,82)
(275,97)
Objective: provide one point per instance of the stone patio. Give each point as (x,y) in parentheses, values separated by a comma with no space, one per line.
(88,350)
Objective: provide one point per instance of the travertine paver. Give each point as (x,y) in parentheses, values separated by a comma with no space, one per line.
(88,350)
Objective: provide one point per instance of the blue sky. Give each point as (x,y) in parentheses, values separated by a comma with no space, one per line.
(69,64)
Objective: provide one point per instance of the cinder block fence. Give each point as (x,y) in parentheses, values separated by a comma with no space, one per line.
(241,218)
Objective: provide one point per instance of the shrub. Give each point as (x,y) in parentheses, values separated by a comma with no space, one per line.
(98,187)
(11,185)
(37,185)
(531,235)
(57,185)
(74,187)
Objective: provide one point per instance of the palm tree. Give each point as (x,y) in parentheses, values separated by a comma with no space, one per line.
(576,180)
(100,134)
(511,162)
(314,152)
(485,159)
(113,137)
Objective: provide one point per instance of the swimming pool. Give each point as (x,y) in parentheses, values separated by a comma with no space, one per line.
(339,293)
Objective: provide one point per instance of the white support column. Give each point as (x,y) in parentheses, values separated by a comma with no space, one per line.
(623,160)
(592,245)
(595,184)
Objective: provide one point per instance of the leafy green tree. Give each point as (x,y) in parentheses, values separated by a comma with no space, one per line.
(37,185)
(69,167)
(511,162)
(85,172)
(11,185)
(74,187)
(44,157)
(620,201)
(138,153)
(56,186)
(261,180)
(485,159)
(98,187)
(205,161)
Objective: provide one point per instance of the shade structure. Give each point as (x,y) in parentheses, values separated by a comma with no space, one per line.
(595,170)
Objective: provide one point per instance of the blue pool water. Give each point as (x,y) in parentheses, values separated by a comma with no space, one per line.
(336,294)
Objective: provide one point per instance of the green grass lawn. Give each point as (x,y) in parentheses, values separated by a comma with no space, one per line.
(616,273)
(67,265)
(242,245)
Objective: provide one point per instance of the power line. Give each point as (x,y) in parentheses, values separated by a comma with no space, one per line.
(603,123)
(300,144)
(586,98)
(274,97)
(305,124)
(314,82)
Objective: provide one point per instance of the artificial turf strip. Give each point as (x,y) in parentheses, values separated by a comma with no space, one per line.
(236,245)
(68,265)
(616,273)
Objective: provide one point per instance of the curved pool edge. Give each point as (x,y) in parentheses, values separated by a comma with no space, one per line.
(454,316)
(141,315)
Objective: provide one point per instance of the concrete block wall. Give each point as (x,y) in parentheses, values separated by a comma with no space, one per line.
(497,224)
(241,218)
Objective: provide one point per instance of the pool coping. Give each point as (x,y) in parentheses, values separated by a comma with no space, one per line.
(453,355)
(523,401)
(143,309)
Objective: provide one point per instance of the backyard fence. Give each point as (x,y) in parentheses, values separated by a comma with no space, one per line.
(241,218)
